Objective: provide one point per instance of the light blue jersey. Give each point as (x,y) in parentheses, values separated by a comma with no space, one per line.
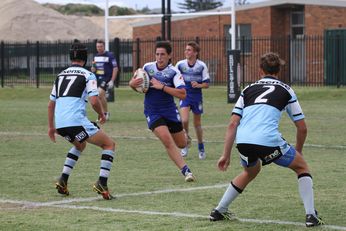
(70,92)
(261,105)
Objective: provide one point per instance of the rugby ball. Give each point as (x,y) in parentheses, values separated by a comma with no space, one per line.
(144,87)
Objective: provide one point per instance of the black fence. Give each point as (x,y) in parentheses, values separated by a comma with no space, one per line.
(310,60)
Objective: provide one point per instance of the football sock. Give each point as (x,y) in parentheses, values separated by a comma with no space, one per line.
(306,192)
(230,194)
(201,147)
(70,161)
(106,165)
(185,170)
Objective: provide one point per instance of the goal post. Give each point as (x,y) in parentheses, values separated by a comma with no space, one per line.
(233,64)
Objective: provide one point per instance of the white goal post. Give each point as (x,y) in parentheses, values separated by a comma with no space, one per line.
(232,13)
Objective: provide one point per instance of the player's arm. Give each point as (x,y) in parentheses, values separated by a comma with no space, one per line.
(176,92)
(96,105)
(231,132)
(195,84)
(135,82)
(302,132)
(51,126)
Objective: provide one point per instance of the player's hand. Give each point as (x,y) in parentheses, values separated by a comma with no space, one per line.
(223,163)
(194,84)
(51,134)
(110,84)
(93,69)
(102,118)
(154,83)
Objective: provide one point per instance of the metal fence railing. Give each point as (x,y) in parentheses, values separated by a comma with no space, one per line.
(310,60)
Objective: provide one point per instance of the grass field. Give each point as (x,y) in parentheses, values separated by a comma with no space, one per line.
(151,193)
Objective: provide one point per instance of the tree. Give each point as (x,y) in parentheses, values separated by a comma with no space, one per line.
(199,5)
(241,2)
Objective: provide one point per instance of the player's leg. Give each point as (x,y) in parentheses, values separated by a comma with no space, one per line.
(185,113)
(235,188)
(69,133)
(295,161)
(102,140)
(103,100)
(161,131)
(199,133)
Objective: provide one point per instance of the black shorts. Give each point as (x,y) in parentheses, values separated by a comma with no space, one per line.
(250,153)
(173,127)
(73,133)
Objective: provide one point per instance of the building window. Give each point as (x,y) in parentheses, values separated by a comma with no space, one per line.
(243,37)
(297,24)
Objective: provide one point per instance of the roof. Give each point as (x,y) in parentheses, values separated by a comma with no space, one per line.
(264,3)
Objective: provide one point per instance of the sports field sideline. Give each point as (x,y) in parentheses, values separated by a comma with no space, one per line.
(151,193)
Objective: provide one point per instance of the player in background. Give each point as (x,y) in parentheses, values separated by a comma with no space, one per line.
(72,89)
(196,77)
(162,114)
(254,126)
(105,68)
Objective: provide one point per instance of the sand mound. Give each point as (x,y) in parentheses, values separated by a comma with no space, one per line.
(28,20)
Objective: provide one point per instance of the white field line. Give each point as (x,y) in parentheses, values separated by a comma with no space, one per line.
(340,147)
(28,204)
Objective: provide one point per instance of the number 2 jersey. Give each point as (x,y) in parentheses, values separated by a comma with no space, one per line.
(261,105)
(70,92)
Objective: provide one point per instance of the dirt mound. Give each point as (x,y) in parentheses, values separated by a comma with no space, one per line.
(28,20)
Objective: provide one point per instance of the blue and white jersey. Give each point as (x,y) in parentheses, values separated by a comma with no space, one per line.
(155,100)
(104,65)
(70,91)
(261,105)
(198,72)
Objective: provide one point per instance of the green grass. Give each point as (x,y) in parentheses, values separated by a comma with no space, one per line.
(30,163)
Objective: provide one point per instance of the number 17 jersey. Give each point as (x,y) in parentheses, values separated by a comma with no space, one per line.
(261,105)
(70,92)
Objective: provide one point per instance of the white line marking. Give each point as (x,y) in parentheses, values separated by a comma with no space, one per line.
(340,147)
(28,204)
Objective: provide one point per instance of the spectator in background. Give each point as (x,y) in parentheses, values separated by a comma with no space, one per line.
(196,77)
(105,68)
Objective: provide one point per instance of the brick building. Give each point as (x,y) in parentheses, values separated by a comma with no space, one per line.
(294,20)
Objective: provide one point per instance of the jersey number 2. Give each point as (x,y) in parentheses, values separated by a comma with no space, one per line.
(261,98)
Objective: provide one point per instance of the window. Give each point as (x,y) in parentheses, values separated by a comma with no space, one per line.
(297,24)
(243,37)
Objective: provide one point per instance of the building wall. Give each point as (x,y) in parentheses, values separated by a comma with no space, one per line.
(319,18)
(271,22)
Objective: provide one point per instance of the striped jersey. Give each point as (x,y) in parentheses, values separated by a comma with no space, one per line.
(70,92)
(261,105)
(197,72)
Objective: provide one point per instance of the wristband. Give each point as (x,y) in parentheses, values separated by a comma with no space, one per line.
(163,88)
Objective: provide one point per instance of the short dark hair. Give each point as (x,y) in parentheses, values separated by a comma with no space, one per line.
(100,41)
(270,63)
(78,51)
(194,45)
(164,44)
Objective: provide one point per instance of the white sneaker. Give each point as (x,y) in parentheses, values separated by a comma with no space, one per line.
(202,155)
(184,152)
(107,114)
(190,177)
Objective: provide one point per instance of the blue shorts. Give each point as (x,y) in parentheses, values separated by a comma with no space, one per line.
(195,106)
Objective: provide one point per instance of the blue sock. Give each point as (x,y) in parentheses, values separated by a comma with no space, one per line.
(185,170)
(201,147)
